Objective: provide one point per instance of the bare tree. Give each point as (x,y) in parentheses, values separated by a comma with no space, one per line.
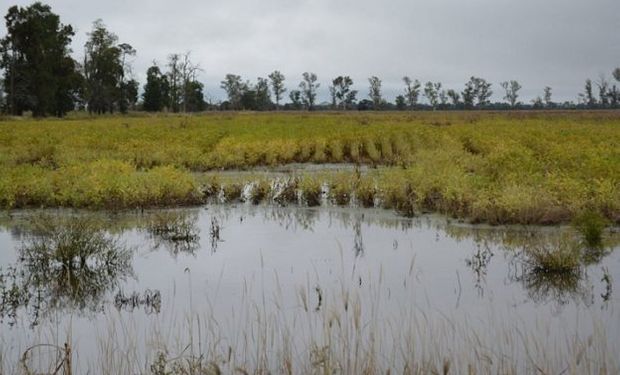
(188,76)
(277,86)
(374,92)
(308,89)
(412,91)
(512,92)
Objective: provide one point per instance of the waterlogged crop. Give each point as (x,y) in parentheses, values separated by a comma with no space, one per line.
(525,167)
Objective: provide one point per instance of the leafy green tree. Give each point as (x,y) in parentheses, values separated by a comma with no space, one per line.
(512,92)
(263,96)
(295,97)
(277,86)
(130,95)
(587,97)
(235,88)
(547,97)
(603,91)
(374,92)
(412,91)
(194,100)
(477,92)
(104,70)
(308,89)
(469,94)
(401,104)
(431,92)
(155,96)
(39,74)
(454,96)
(344,97)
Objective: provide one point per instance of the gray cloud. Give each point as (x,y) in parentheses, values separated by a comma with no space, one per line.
(553,42)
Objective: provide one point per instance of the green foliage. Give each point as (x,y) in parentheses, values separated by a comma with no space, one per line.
(39,74)
(590,225)
(488,167)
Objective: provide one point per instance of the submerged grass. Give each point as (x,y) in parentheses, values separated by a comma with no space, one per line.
(525,167)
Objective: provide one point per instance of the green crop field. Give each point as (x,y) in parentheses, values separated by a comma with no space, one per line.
(517,167)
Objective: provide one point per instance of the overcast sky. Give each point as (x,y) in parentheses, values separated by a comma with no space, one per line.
(558,43)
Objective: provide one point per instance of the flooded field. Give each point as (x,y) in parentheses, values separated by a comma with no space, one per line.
(267,289)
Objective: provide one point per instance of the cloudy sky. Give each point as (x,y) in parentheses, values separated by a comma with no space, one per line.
(557,43)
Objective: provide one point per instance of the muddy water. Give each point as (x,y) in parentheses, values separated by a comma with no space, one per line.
(231,272)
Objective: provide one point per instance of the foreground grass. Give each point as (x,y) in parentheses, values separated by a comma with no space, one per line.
(491,167)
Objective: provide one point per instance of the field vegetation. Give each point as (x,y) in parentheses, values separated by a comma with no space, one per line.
(516,167)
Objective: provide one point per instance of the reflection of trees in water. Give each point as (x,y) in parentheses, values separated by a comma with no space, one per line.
(66,264)
(177,231)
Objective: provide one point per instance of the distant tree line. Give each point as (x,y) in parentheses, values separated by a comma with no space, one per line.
(40,76)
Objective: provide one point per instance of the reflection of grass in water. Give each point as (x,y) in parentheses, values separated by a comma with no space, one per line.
(175,229)
(64,264)
(352,333)
(553,270)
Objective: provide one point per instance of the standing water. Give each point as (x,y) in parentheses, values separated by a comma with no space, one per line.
(298,290)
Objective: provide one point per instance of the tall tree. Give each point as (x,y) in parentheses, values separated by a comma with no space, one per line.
(469,94)
(412,91)
(431,92)
(193,100)
(277,86)
(39,74)
(512,92)
(103,69)
(155,96)
(295,96)
(616,74)
(308,89)
(234,87)
(603,88)
(344,97)
(124,99)
(483,91)
(263,96)
(175,82)
(454,97)
(374,92)
(547,97)
(587,97)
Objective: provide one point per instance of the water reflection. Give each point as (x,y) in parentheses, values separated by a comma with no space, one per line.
(71,262)
(478,263)
(62,265)
(177,231)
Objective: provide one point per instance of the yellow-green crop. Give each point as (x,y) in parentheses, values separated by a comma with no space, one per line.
(518,167)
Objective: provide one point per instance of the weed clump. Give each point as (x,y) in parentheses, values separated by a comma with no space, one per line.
(232,192)
(311,191)
(590,225)
(259,191)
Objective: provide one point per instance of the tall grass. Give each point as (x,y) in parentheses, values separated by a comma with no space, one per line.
(491,167)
